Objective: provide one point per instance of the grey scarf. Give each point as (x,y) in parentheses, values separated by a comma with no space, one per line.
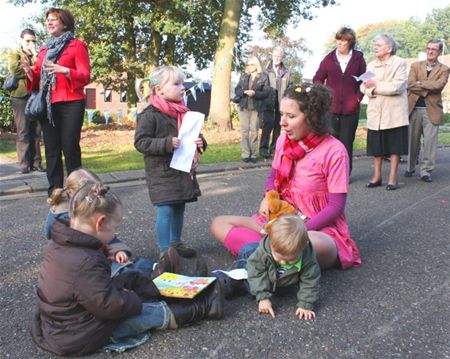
(55,47)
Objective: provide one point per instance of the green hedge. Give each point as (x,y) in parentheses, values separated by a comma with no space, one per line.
(6,114)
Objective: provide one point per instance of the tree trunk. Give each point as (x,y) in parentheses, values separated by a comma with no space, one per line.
(220,110)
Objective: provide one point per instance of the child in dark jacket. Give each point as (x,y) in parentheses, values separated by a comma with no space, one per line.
(284,257)
(80,307)
(156,137)
(117,251)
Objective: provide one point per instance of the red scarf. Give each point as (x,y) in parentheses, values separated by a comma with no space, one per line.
(170,108)
(293,151)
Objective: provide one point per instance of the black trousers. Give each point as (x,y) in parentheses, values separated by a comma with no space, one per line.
(344,129)
(267,118)
(276,129)
(63,138)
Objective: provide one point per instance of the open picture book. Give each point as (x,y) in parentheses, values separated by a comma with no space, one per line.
(181,286)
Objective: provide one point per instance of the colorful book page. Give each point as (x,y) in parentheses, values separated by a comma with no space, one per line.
(181,286)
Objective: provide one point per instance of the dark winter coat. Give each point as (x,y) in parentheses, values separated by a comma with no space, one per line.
(262,89)
(346,93)
(153,138)
(280,83)
(264,279)
(79,304)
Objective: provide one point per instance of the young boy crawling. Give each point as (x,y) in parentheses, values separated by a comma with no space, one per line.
(284,257)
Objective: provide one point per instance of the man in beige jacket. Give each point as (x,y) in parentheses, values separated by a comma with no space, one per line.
(425,84)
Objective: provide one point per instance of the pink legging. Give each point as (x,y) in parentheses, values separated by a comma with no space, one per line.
(239,236)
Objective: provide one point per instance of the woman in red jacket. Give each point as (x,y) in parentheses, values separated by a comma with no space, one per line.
(64,63)
(336,71)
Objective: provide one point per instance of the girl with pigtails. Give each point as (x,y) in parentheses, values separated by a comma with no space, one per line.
(81,308)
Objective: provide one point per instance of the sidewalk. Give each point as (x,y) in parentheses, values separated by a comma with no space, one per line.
(13,182)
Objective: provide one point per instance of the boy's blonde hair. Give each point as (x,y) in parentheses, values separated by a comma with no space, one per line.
(288,235)
(74,182)
(93,198)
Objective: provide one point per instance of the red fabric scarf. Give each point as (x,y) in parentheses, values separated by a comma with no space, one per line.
(170,108)
(292,152)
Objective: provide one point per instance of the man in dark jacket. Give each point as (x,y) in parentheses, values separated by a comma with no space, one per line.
(28,133)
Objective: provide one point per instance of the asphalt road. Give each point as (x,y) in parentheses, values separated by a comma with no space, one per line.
(395,306)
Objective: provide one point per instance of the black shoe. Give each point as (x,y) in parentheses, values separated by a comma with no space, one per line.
(207,305)
(391,187)
(25,170)
(246,160)
(374,184)
(231,287)
(426,178)
(253,159)
(409,173)
(183,250)
(38,168)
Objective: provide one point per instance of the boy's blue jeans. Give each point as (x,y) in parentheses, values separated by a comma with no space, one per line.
(243,255)
(133,331)
(154,315)
(169,224)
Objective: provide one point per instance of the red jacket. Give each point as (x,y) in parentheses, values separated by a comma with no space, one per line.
(75,56)
(346,93)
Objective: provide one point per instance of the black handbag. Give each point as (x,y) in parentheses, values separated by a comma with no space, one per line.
(10,83)
(36,107)
(236,99)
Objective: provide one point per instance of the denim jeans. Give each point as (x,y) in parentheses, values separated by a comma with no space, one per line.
(169,224)
(243,255)
(52,217)
(130,332)
(142,265)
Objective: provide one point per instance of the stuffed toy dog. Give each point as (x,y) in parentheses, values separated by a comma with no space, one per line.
(277,207)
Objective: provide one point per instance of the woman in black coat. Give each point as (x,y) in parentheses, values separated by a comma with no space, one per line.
(252,89)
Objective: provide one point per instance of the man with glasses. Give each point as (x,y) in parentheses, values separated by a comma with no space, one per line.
(28,133)
(426,81)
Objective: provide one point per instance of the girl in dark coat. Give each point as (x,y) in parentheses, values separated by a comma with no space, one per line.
(80,307)
(156,137)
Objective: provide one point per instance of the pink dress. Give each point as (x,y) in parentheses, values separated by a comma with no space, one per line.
(322,171)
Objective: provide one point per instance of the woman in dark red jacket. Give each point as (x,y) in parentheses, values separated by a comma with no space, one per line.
(64,63)
(336,71)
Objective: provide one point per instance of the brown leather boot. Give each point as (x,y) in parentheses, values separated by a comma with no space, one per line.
(207,305)
(169,261)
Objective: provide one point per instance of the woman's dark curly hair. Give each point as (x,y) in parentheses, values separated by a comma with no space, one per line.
(315,102)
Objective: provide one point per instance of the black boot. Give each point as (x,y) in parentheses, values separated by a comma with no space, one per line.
(231,287)
(207,305)
(169,261)
(183,250)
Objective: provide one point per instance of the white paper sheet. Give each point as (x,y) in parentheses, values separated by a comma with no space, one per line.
(365,76)
(190,129)
(237,274)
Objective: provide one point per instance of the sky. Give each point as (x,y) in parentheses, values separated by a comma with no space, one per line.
(353,13)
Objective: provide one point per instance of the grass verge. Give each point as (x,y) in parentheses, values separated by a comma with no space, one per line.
(125,157)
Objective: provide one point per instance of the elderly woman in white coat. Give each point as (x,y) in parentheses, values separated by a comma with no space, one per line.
(387,110)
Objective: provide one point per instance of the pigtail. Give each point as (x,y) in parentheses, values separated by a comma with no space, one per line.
(58,195)
(93,198)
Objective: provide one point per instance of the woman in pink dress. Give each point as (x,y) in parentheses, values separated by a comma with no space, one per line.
(310,170)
